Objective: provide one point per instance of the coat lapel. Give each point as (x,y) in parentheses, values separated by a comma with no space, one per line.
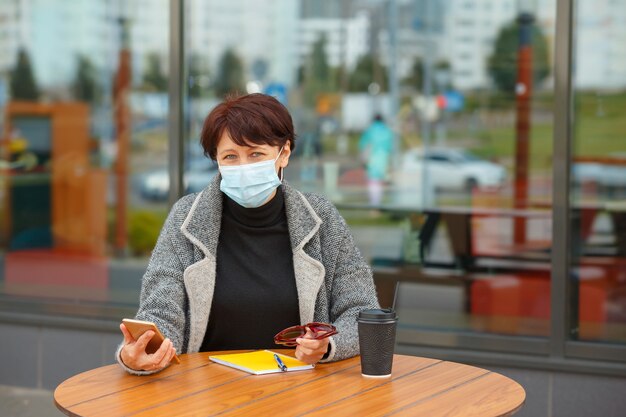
(202,228)
(303,225)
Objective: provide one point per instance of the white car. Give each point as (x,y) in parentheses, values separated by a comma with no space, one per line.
(447,168)
(605,176)
(156,184)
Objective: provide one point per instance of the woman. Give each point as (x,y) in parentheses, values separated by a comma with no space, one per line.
(250,255)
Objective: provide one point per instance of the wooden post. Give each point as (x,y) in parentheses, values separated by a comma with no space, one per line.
(121,89)
(523,93)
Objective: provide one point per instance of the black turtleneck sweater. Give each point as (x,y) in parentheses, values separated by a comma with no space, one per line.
(255,288)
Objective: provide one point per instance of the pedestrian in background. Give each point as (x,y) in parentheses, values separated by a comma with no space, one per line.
(375,146)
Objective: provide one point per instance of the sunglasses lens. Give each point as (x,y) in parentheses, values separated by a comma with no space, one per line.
(322,330)
(293,334)
(321,327)
(288,336)
(284,342)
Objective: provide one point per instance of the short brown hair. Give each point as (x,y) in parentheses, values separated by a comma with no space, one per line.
(250,119)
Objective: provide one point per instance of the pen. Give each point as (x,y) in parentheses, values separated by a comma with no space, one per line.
(280,363)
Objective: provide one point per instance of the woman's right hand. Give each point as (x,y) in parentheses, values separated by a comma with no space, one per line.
(134,355)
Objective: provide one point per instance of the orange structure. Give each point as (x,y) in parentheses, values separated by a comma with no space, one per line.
(54,208)
(78,191)
(522,124)
(519,302)
(122,117)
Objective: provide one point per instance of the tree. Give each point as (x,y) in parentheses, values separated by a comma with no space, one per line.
(230,77)
(317,75)
(300,75)
(368,70)
(502,64)
(320,71)
(85,87)
(415,78)
(153,77)
(199,79)
(23,84)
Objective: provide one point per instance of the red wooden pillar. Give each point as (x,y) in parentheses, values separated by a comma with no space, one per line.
(121,111)
(523,93)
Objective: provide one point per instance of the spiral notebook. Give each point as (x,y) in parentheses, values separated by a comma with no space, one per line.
(260,362)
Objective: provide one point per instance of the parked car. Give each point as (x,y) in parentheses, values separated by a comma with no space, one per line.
(605,173)
(447,168)
(200,170)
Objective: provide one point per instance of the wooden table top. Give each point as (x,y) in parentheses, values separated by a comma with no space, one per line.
(198,387)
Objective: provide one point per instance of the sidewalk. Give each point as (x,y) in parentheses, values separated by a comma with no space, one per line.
(26,402)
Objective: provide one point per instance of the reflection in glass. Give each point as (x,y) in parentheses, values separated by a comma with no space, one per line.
(462,215)
(460,210)
(84,110)
(598,174)
(454,199)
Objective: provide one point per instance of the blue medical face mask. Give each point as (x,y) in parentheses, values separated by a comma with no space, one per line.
(250,185)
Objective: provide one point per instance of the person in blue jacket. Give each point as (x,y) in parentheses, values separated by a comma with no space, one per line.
(375,146)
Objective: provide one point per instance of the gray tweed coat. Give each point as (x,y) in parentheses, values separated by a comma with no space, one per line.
(333,280)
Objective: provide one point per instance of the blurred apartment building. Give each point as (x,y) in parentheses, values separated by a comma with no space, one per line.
(53,30)
(601,60)
(276,37)
(462,33)
(262,34)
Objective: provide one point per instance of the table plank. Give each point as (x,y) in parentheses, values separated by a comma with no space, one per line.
(174,391)
(250,390)
(158,390)
(402,391)
(111,379)
(492,395)
(341,385)
(198,387)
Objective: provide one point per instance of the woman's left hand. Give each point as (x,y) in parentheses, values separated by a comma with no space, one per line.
(311,350)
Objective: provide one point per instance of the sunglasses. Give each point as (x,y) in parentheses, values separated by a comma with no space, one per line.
(288,336)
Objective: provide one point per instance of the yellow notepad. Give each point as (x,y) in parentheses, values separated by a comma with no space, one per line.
(260,362)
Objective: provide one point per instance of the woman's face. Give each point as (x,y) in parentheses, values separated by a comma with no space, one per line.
(229,153)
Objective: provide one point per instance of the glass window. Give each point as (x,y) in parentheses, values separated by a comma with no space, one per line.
(598,173)
(469,237)
(431,132)
(83,153)
(438,157)
(473,238)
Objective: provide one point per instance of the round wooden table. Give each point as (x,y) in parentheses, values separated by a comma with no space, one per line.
(198,387)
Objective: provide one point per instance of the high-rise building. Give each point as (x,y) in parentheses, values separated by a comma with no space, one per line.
(463,33)
(458,32)
(471,28)
(9,16)
(262,34)
(54,34)
(600,60)
(347,39)
(273,38)
(53,30)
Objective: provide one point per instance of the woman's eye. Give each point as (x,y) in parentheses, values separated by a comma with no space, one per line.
(230,157)
(256,154)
